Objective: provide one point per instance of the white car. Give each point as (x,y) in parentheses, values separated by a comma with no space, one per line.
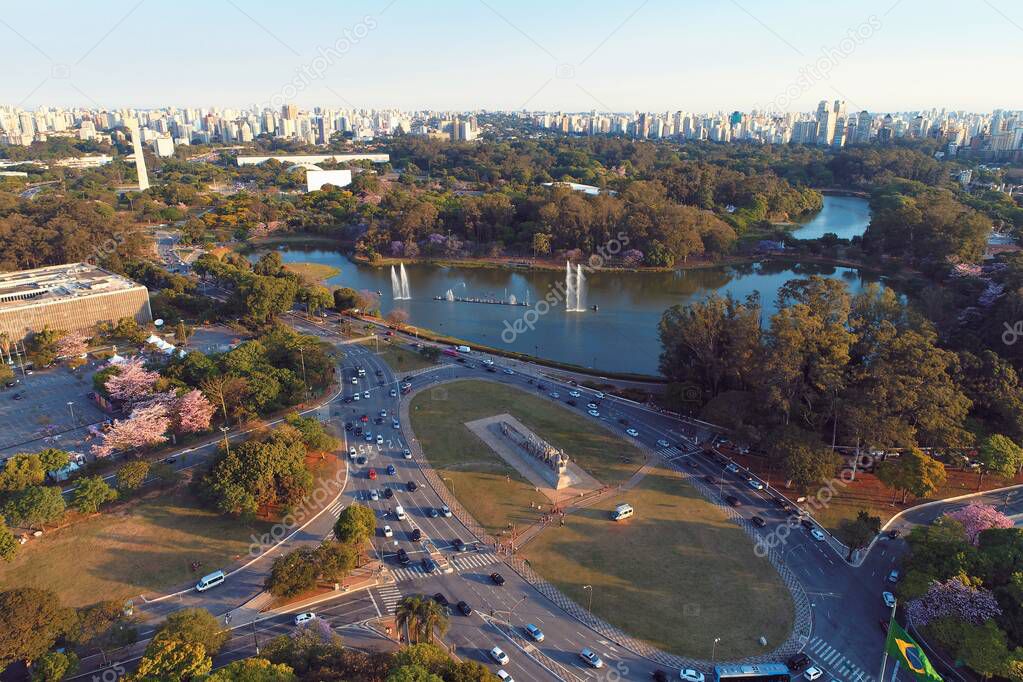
(575,394)
(365,394)
(812,673)
(355,397)
(383,413)
(591,658)
(380,440)
(817,534)
(374,495)
(663,443)
(445,511)
(599,395)
(755,484)
(504,676)
(304,617)
(594,413)
(889,599)
(509,371)
(535,633)
(406,453)
(351,452)
(499,655)
(690,675)
(554,394)
(388,533)
(394,393)
(591,406)
(632,432)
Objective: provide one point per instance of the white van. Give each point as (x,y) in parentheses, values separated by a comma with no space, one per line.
(622,512)
(399,512)
(211,580)
(463,349)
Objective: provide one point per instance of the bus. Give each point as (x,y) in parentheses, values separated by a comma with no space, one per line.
(760,672)
(450,351)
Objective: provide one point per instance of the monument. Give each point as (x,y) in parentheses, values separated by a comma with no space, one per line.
(553,461)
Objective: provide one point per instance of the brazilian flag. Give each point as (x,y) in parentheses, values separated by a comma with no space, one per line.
(905,649)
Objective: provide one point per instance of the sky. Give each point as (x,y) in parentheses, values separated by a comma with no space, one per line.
(627,55)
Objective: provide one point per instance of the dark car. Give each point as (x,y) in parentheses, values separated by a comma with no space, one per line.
(541,387)
(411,486)
(360,460)
(780,502)
(378,420)
(440,599)
(461,360)
(894,533)
(358,430)
(798,662)
(571,401)
(428,564)
(464,608)
(709,479)
(458,545)
(758,522)
(497,578)
(807,524)
(659,675)
(623,421)
(349,426)
(733,501)
(416,535)
(17,396)
(388,493)
(403,557)
(491,369)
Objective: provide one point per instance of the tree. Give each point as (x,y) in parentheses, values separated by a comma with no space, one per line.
(316,298)
(426,655)
(1000,456)
(72,346)
(91,493)
(468,671)
(541,244)
(8,543)
(53,459)
(54,666)
(35,506)
(144,427)
(397,317)
(345,298)
(131,475)
(194,412)
(31,620)
(976,518)
(858,534)
(253,670)
(984,649)
(421,617)
(805,460)
(292,573)
(335,560)
(172,661)
(181,332)
(42,346)
(132,382)
(413,673)
(954,598)
(21,471)
(224,390)
(193,626)
(913,471)
(355,524)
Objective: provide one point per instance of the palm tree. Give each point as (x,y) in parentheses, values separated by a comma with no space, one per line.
(421,617)
(433,618)
(407,615)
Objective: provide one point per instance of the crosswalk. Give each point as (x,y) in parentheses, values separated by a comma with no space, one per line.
(335,508)
(833,660)
(461,563)
(389,598)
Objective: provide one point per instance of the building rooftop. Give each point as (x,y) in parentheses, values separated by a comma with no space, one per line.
(58,283)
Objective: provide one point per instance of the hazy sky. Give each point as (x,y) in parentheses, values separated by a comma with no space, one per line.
(696,55)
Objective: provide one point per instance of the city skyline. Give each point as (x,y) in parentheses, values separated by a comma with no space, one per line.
(878,56)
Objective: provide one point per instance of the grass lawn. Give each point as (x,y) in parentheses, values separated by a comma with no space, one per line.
(399,358)
(678,574)
(312,272)
(139,547)
(493,492)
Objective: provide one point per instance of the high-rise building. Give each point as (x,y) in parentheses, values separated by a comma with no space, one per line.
(289,111)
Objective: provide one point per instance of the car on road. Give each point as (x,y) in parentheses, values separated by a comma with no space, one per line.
(433,512)
(304,617)
(369,437)
(497,578)
(378,420)
(416,535)
(374,495)
(352,452)
(361,461)
(406,453)
(383,413)
(440,599)
(349,426)
(355,397)
(813,673)
(758,522)
(498,655)
(391,470)
(464,608)
(372,474)
(591,658)
(755,484)
(598,395)
(388,533)
(659,675)
(570,401)
(661,443)
(395,424)
(575,394)
(491,370)
(380,439)
(733,501)
(445,511)
(731,468)
(458,545)
(554,394)
(632,432)
(889,599)
(365,394)
(594,413)
(690,675)
(509,371)
(428,564)
(592,406)
(818,535)
(504,676)
(17,396)
(364,418)
(806,523)
(388,493)
(798,662)
(894,533)
(403,557)
(411,486)
(893,576)
(394,393)
(535,633)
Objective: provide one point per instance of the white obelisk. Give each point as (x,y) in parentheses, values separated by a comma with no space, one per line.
(140,159)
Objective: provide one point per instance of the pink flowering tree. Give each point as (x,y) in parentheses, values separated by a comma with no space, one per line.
(133,383)
(72,345)
(145,426)
(954,598)
(194,412)
(977,518)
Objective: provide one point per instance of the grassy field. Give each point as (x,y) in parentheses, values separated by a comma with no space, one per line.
(140,547)
(493,492)
(400,358)
(312,272)
(678,574)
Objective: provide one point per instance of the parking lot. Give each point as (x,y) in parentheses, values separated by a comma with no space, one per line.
(41,417)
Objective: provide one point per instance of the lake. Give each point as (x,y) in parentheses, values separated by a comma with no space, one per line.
(847,217)
(621,335)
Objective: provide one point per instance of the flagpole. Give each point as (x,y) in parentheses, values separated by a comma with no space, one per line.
(884,658)
(895,669)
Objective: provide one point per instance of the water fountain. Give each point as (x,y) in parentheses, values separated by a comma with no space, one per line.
(512,300)
(574,284)
(449,296)
(399,284)
(395,285)
(405,293)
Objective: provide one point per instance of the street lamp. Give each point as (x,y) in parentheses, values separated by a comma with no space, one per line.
(71,409)
(714,650)
(227,443)
(589,606)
